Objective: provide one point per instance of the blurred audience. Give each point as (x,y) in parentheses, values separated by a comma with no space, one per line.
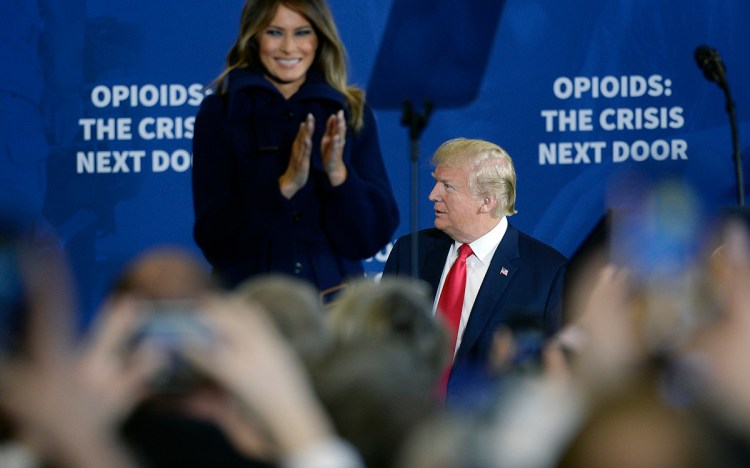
(295,308)
(648,370)
(378,381)
(275,410)
(395,311)
(164,273)
(63,399)
(168,285)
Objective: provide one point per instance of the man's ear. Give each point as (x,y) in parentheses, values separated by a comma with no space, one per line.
(488,204)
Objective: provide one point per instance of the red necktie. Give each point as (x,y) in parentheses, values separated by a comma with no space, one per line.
(451,303)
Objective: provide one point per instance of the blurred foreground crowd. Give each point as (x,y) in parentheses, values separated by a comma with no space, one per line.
(651,367)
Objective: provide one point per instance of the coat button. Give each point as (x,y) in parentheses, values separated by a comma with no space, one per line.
(297,268)
(289,115)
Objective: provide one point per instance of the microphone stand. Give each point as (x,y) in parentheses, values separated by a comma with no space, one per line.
(416,123)
(735,144)
(713,68)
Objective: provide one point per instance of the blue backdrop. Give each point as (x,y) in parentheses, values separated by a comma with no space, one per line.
(97,101)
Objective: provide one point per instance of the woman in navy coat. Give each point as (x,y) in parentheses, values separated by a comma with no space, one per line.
(287,171)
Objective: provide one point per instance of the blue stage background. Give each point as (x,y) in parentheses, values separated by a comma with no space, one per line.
(103,93)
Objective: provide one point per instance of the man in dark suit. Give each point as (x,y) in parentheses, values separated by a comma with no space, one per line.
(510,277)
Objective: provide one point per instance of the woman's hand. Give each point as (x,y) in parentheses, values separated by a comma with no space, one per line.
(298,170)
(332,149)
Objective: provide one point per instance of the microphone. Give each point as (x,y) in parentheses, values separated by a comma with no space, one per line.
(710,62)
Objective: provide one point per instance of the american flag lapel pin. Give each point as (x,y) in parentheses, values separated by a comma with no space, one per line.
(504,271)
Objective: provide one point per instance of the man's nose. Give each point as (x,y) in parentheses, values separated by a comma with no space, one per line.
(434,194)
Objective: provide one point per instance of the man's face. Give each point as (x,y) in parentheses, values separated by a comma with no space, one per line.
(457,210)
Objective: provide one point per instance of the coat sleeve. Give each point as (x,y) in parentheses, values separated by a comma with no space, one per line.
(214,190)
(361,215)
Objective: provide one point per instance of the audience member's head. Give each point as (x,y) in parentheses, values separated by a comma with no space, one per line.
(375,395)
(441,441)
(164,273)
(394,310)
(294,307)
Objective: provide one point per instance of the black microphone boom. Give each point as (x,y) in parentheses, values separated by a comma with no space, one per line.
(710,62)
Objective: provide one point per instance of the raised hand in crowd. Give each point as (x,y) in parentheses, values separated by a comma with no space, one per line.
(64,399)
(258,376)
(718,352)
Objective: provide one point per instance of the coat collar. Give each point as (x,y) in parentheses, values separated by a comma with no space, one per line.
(314,87)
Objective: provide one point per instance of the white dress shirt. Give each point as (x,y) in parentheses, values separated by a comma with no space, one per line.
(476,267)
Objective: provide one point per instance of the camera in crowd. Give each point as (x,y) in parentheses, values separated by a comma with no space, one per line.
(171,326)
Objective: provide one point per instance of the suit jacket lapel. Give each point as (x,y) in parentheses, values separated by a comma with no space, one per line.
(434,261)
(503,266)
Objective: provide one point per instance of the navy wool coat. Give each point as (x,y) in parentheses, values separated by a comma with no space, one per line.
(243,224)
